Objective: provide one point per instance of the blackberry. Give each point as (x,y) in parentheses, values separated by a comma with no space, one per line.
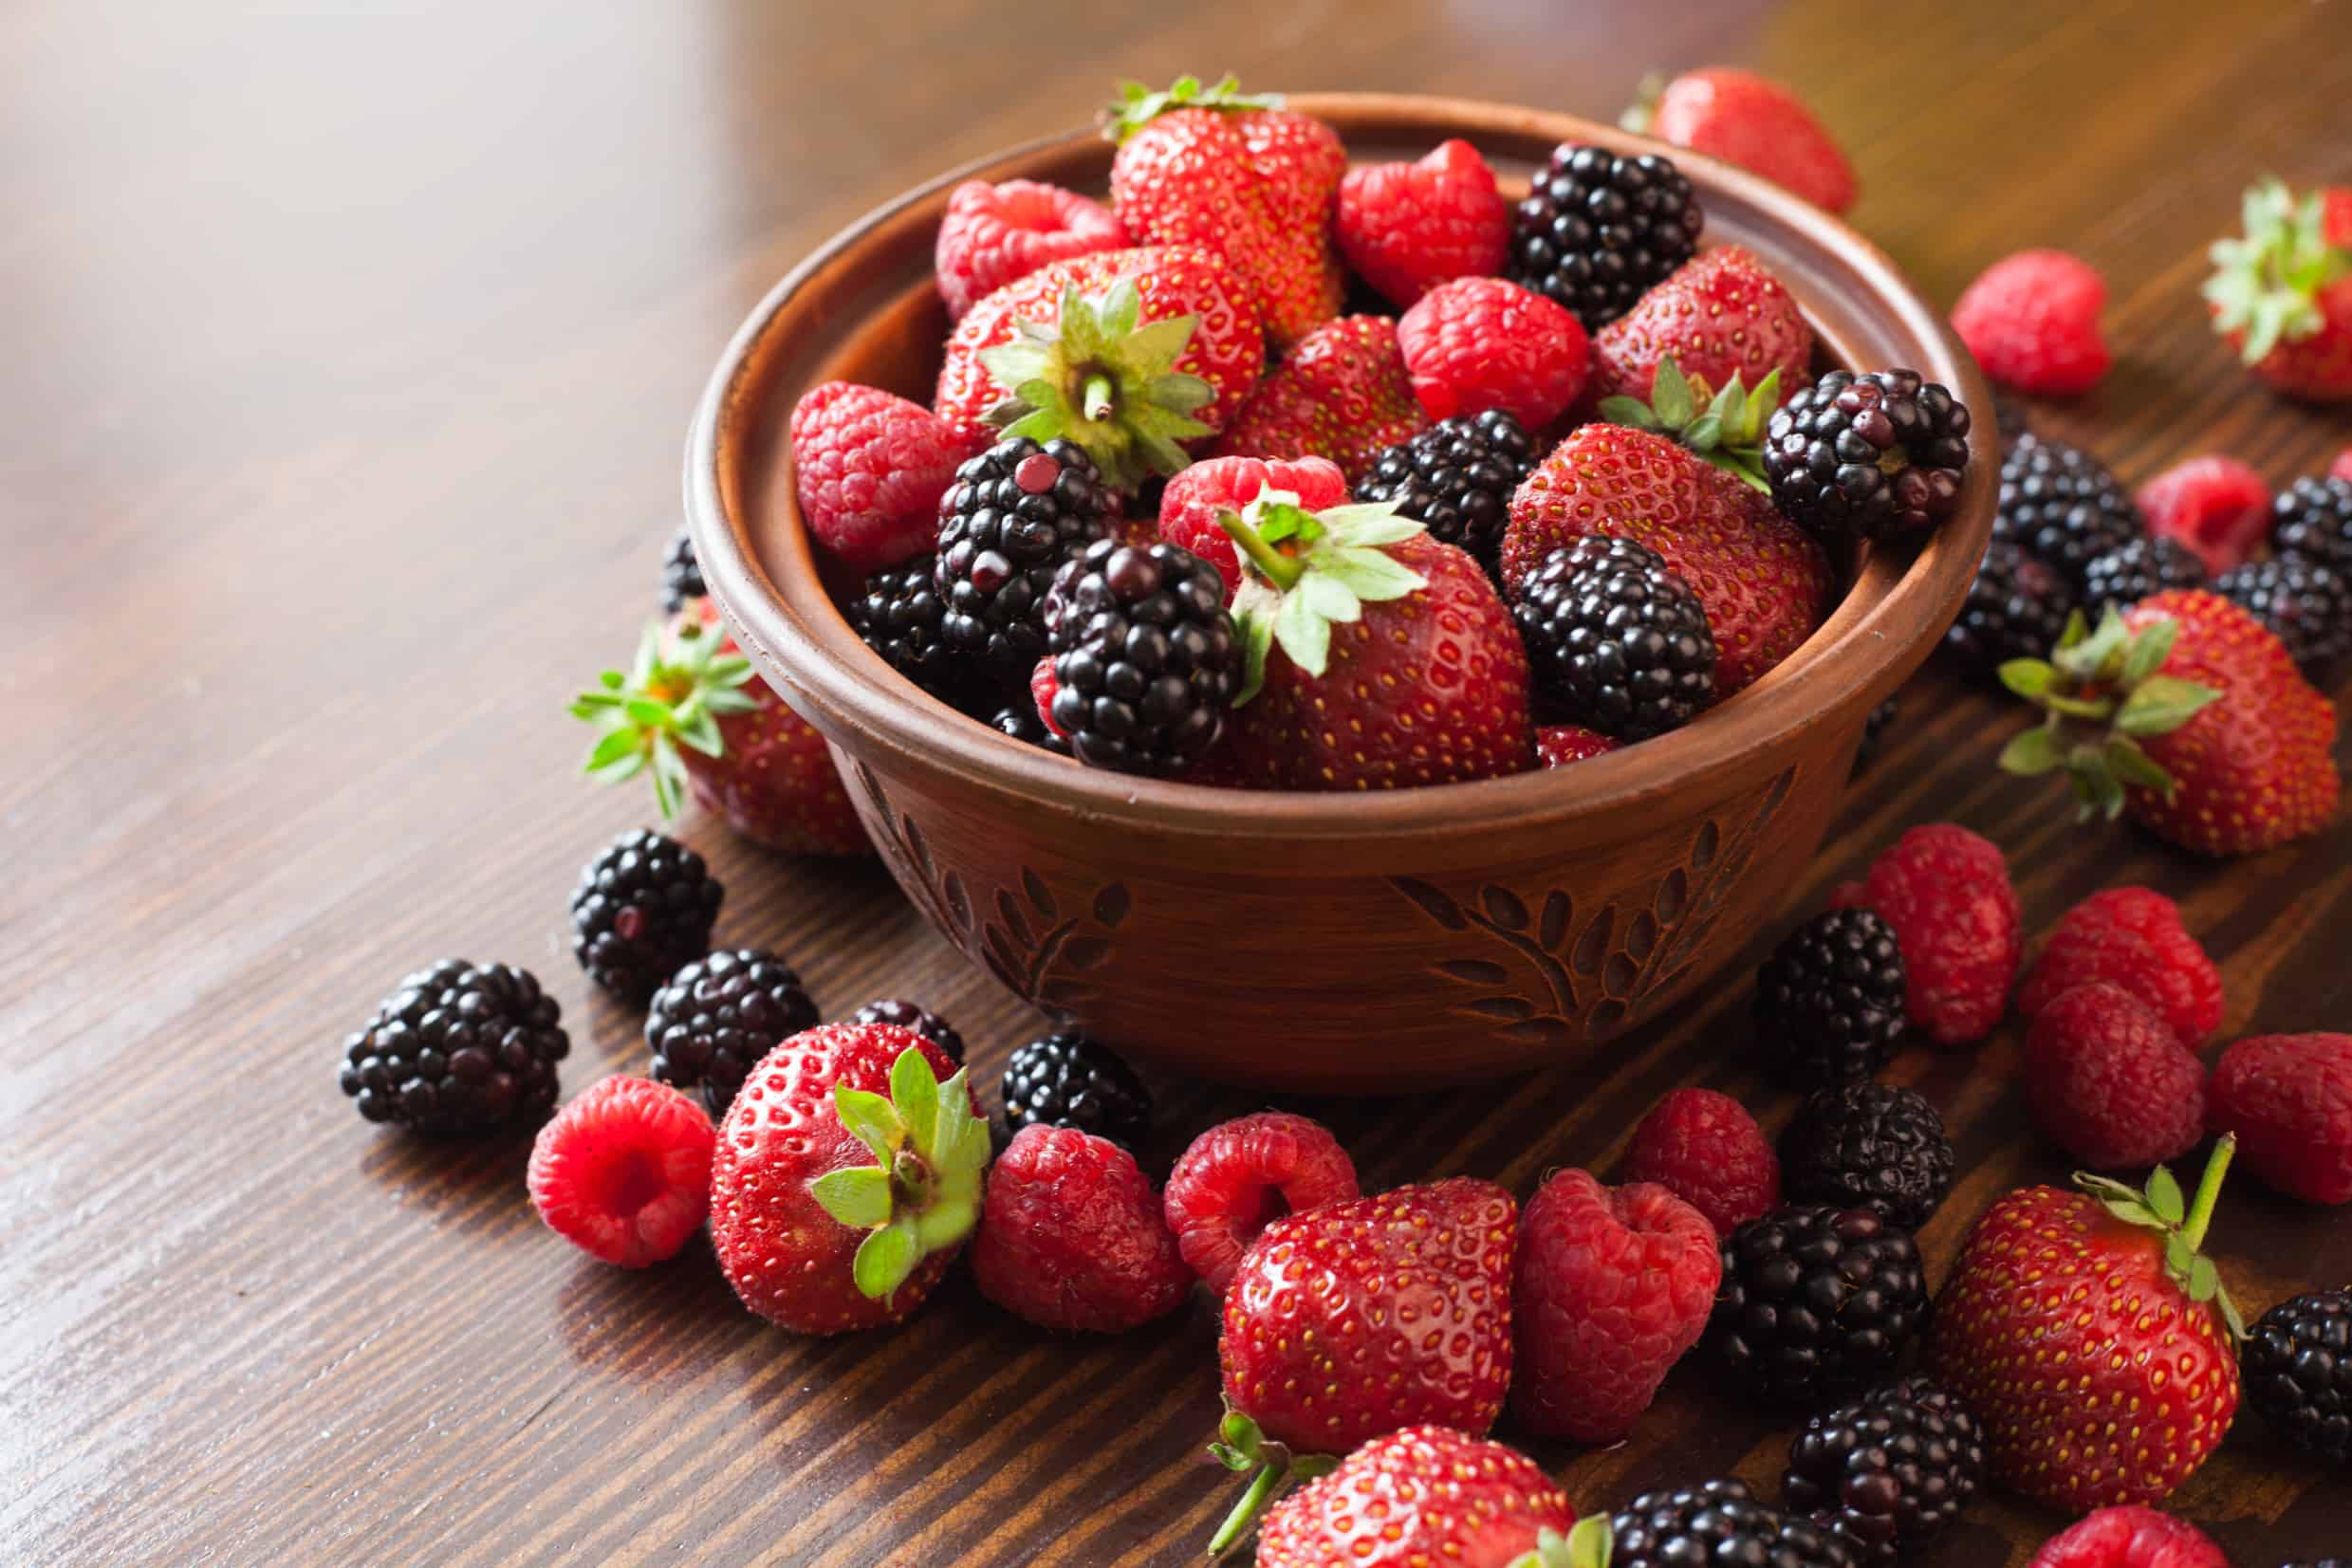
(2306,602)
(898,613)
(1617,642)
(1718,1523)
(681,574)
(1068,1080)
(1874,732)
(2312,518)
(2298,1368)
(2061,503)
(1868,1146)
(2016,608)
(1015,515)
(1816,1304)
(1830,1001)
(921,1020)
(715,1019)
(459,1049)
(1596,230)
(1145,658)
(1870,457)
(1019,719)
(1889,1470)
(641,908)
(2136,568)
(1458,477)
(2010,417)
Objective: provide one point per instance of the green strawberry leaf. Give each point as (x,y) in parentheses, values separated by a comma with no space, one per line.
(1304,636)
(1630,412)
(1589,1543)
(2162,704)
(2179,1256)
(617,745)
(1670,396)
(1255,622)
(2132,766)
(914,1090)
(2204,1278)
(2149,649)
(2229,1315)
(884,1258)
(2033,752)
(2027,677)
(1368,575)
(856,1196)
(2165,1197)
(871,1120)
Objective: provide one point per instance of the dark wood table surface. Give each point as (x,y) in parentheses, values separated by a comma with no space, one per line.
(344,371)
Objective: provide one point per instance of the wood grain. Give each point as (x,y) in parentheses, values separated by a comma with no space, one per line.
(347,364)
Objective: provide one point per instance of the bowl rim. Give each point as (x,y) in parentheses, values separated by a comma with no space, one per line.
(1896,607)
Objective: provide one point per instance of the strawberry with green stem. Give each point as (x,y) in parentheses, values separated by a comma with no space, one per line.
(1726,433)
(2282,292)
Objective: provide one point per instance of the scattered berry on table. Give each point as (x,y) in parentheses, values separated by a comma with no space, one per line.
(2281,292)
(1612,1285)
(2297,1362)
(710,1022)
(681,574)
(2313,519)
(1817,1303)
(2032,321)
(2136,569)
(1717,1521)
(995,235)
(2341,466)
(458,1049)
(1406,228)
(643,908)
(1720,317)
(1072,1236)
(2061,503)
(2131,937)
(2016,608)
(1947,893)
(1874,456)
(2307,604)
(1240,1175)
(1558,745)
(1888,1471)
(2289,1099)
(1868,1146)
(870,467)
(1615,640)
(1067,1080)
(1707,1149)
(2129,1537)
(623,1172)
(1597,231)
(899,615)
(1458,477)
(1342,394)
(1421,1495)
(1752,120)
(1015,516)
(2109,1082)
(1476,343)
(2216,507)
(1145,658)
(1829,1002)
(1190,504)
(921,1020)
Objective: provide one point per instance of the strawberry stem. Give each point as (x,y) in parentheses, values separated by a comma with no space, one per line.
(2208,1192)
(1099,397)
(1281,570)
(1245,1514)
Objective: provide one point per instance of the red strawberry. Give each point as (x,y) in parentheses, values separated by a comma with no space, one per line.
(2217,506)
(2282,292)
(1947,893)
(995,235)
(1558,745)
(1342,392)
(1720,316)
(2289,1099)
(691,712)
(1190,504)
(623,1172)
(2110,1084)
(848,1176)
(1419,1497)
(1243,176)
(2129,1537)
(2032,321)
(1072,1236)
(1477,343)
(2091,1338)
(1409,227)
(1755,122)
(1240,1175)
(2134,938)
(1705,1149)
(869,469)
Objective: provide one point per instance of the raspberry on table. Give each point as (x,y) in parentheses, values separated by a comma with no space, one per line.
(1240,1175)
(1616,640)
(1829,1002)
(1145,658)
(623,1172)
(1558,745)
(2129,1536)
(869,468)
(1947,893)
(908,1016)
(2341,466)
(2016,608)
(994,234)
(2289,1099)
(1717,1521)
(1012,519)
(2313,519)
(643,907)
(458,1049)
(1479,343)
(681,574)
(2216,507)
(2305,603)
(1707,1149)
(2136,570)
(1406,228)
(2297,1361)
(2031,320)
(1817,1303)
(1888,1471)
(710,1024)
(1458,477)
(2109,1082)
(2061,504)
(1067,1080)
(2133,937)
(1868,1146)
(1874,456)
(1595,231)
(1072,1236)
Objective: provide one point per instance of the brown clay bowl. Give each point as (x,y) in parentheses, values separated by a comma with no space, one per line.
(1324,942)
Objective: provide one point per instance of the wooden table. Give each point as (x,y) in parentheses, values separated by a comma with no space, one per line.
(343,367)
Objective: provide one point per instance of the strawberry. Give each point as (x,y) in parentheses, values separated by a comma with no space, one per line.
(1421,1496)
(1558,745)
(1753,121)
(2282,292)
(847,1178)
(1243,176)
(690,711)
(1342,392)
(995,235)
(1162,350)
(1720,316)
(1378,658)
(1406,228)
(2092,1340)
(1189,503)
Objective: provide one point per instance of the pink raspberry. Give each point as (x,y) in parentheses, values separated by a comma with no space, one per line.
(1043,685)
(2129,1536)
(1946,892)
(2109,1082)
(1189,505)
(2131,937)
(1707,1149)
(1072,1236)
(2289,1099)
(1477,343)
(993,234)
(2032,321)
(1406,228)
(870,469)
(1240,1177)
(623,1172)
(2216,507)
(1558,745)
(2341,466)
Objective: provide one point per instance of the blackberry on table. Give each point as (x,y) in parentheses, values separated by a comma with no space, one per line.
(459,1049)
(898,613)
(1145,656)
(2297,1362)
(2061,503)
(2011,415)
(1717,1521)
(1830,1001)
(1458,477)
(1597,231)
(1616,640)
(1889,1470)
(710,1024)
(921,1020)
(2312,518)
(1873,456)
(681,574)
(1874,732)
(1015,515)
(2016,608)
(2136,568)
(1817,1303)
(641,908)
(2305,602)
(1868,1146)
(1067,1080)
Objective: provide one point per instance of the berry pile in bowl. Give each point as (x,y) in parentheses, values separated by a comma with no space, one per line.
(1420,562)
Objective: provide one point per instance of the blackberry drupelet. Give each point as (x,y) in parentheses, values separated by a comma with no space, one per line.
(898,613)
(1874,732)
(1458,477)
(1015,515)
(1817,1303)
(1872,457)
(641,908)
(1596,230)
(921,1020)
(1019,719)
(2134,569)
(2061,503)
(1068,1080)
(2312,518)
(1617,642)
(1868,1146)
(1145,656)
(1830,1001)
(681,574)
(2308,602)
(1889,1470)
(1717,1521)
(2016,608)
(459,1049)
(2297,1362)
(715,1019)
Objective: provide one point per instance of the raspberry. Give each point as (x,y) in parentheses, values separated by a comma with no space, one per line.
(623,1172)
(1558,745)
(1612,1285)
(1947,894)
(2129,1537)
(1240,1177)
(2109,1082)
(2341,466)
(995,234)
(1043,685)
(1189,507)
(2289,1099)
(2217,506)
(1406,228)
(2134,938)
(1707,1149)
(2032,321)
(1072,1236)
(1477,343)
(870,470)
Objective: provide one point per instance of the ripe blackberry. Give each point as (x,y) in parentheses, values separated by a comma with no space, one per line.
(2134,569)
(1068,1080)
(1874,732)
(641,908)
(1019,719)
(1145,658)
(1868,1146)
(1617,642)
(2312,518)
(681,574)
(459,1049)
(2297,1362)
(898,613)
(1816,1304)
(1717,1521)
(921,1020)
(1830,1001)
(2061,503)
(1458,477)
(1597,230)
(2308,602)
(2016,608)
(1870,457)
(1889,1470)
(1013,516)
(715,1019)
